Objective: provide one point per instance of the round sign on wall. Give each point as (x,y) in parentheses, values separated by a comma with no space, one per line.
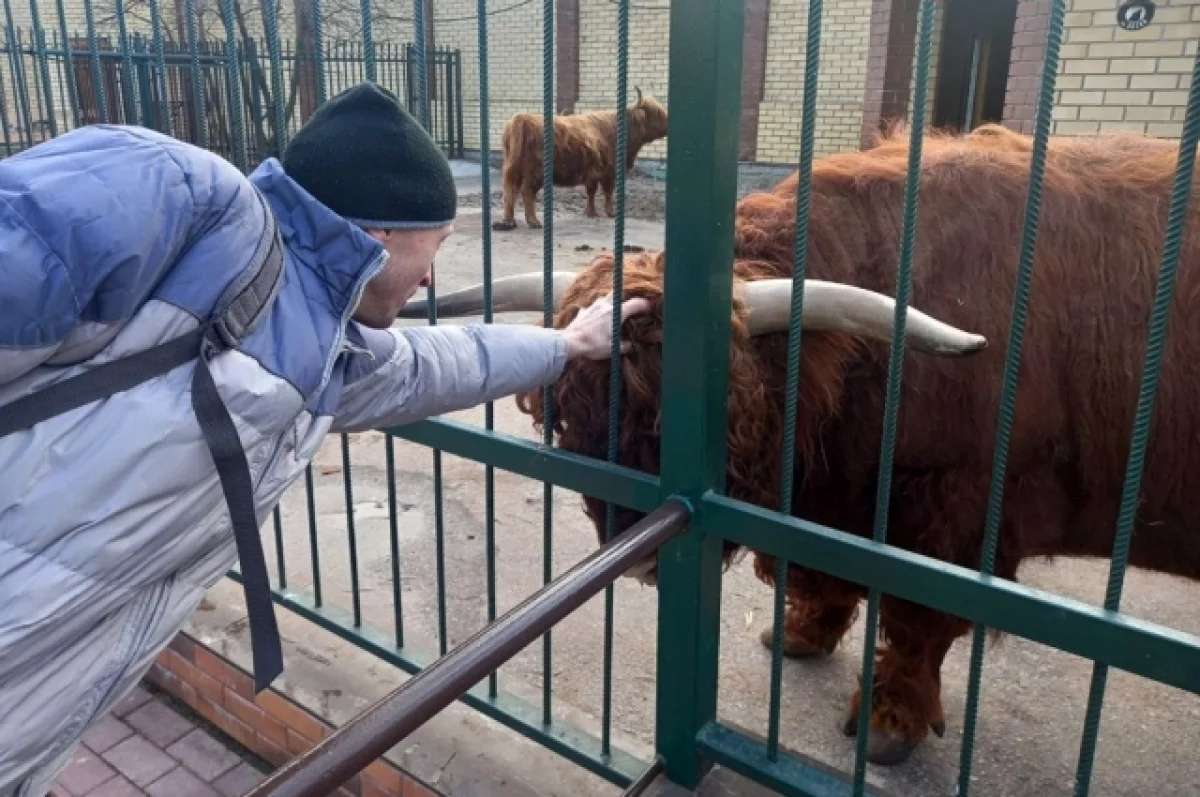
(1135,14)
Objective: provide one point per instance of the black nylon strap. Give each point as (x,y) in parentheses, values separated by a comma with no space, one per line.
(97,383)
(230,460)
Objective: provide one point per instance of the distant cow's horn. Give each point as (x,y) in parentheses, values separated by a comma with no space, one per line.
(639,94)
(515,294)
(845,308)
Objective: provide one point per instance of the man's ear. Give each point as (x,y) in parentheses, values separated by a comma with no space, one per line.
(379,235)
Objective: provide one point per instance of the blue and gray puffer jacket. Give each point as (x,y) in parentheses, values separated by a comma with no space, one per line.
(113,523)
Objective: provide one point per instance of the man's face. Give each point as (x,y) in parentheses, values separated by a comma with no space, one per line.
(409,266)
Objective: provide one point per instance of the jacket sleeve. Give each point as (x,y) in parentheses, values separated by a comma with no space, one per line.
(406,374)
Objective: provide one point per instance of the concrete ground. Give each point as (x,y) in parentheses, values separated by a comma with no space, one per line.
(1033,698)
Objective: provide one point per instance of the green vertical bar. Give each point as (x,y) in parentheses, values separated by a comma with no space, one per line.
(808,126)
(489,419)
(127,83)
(439,534)
(38,108)
(1012,365)
(422,63)
(58,51)
(234,69)
(146,73)
(8,147)
(394,530)
(168,117)
(16,52)
(313,546)
(189,10)
(438,507)
(97,74)
(68,62)
(279,558)
(368,42)
(614,372)
(548,321)
(705,91)
(271,24)
(319,51)
(351,534)
(1163,294)
(43,64)
(895,376)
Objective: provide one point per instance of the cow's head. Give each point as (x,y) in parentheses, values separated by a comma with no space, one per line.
(649,116)
(838,316)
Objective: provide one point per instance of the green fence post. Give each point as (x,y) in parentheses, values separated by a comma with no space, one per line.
(705,90)
(234,78)
(167,119)
(127,81)
(97,73)
(68,63)
(201,113)
(43,66)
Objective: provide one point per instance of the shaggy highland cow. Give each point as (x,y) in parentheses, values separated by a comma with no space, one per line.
(585,153)
(1103,216)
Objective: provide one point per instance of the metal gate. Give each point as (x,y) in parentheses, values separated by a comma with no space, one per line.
(705,82)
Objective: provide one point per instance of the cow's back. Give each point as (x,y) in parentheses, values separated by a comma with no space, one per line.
(1102,224)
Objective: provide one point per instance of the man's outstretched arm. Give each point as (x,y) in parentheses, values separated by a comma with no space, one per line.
(414,373)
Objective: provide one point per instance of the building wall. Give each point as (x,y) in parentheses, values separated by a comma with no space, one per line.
(516,65)
(1116,80)
(845,37)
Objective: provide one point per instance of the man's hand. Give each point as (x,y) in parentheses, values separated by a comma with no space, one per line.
(590,334)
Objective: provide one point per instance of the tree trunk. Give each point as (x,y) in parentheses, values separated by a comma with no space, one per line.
(306,65)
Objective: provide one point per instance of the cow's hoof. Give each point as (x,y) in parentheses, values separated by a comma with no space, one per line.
(792,648)
(534,225)
(850,724)
(888,749)
(504,226)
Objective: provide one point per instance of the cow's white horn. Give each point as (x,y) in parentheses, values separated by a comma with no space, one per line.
(515,294)
(845,308)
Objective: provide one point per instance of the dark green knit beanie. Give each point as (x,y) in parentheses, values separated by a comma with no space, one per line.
(366,158)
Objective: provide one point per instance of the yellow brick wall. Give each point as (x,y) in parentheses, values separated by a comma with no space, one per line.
(648,64)
(515,64)
(1112,79)
(840,88)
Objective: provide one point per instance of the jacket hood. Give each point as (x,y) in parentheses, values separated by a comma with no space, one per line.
(333,250)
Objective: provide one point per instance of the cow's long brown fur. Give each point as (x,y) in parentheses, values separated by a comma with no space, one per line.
(585,153)
(1102,224)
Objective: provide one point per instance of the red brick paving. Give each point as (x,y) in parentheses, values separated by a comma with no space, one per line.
(146,748)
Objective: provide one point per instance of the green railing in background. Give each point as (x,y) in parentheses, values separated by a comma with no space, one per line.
(51,88)
(221,101)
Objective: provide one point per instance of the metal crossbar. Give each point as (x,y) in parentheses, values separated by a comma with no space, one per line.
(380,727)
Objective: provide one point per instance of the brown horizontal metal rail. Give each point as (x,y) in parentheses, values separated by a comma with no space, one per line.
(368,736)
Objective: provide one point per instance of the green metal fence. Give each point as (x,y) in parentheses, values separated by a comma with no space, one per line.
(50,88)
(705,83)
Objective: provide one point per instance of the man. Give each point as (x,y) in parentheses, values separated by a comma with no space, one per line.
(216,328)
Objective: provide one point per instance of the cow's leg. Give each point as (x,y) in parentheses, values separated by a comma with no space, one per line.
(529,200)
(591,198)
(508,220)
(906,701)
(820,609)
(609,185)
